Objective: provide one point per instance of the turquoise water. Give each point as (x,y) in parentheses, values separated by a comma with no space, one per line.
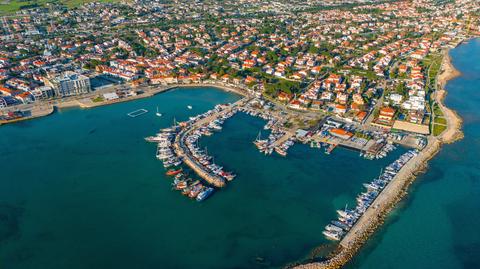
(82,189)
(437,225)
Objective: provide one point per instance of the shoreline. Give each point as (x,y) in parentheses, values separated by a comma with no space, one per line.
(454,121)
(44,109)
(398,187)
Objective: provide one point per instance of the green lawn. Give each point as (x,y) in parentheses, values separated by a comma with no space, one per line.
(12,6)
(438,129)
(98,99)
(440,120)
(436,109)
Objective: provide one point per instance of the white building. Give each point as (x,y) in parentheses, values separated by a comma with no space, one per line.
(70,83)
(3,102)
(396,98)
(43,92)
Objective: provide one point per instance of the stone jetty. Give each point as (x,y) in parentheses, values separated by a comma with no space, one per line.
(182,151)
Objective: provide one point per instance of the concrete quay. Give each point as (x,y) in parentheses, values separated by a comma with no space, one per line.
(183,152)
(374,215)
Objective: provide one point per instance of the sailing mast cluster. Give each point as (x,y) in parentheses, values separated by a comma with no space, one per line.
(179,144)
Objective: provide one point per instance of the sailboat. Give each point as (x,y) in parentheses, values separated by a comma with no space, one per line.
(158,113)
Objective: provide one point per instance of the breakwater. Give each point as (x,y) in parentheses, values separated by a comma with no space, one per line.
(375,214)
(397,188)
(186,135)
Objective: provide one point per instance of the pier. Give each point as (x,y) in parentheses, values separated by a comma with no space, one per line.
(368,147)
(183,152)
(376,212)
(289,134)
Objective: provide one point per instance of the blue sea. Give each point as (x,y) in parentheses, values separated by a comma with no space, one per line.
(436,226)
(82,189)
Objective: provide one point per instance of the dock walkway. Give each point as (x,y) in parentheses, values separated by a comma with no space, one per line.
(374,215)
(346,143)
(182,151)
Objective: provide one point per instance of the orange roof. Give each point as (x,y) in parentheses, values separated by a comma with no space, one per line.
(23,94)
(7,90)
(387,110)
(339,131)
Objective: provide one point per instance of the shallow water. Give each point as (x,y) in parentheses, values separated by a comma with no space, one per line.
(437,225)
(82,189)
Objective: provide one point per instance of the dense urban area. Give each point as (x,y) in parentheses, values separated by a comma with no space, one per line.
(355,60)
(365,75)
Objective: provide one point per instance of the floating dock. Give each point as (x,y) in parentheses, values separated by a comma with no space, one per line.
(137,112)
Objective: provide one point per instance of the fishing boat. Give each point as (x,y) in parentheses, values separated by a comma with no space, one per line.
(204,194)
(158,113)
(173,172)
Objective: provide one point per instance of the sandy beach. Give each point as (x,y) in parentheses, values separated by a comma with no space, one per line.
(454,122)
(398,187)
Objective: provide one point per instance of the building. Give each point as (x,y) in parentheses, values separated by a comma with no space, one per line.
(386,114)
(110,96)
(25,97)
(70,84)
(43,92)
(3,102)
(341,133)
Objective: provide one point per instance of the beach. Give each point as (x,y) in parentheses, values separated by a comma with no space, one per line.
(398,187)
(454,122)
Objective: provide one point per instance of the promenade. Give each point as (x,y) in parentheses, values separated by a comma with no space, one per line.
(45,108)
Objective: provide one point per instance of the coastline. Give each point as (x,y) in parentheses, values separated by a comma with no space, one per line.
(398,187)
(454,121)
(43,109)
(388,199)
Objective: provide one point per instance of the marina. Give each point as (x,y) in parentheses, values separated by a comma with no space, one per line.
(348,217)
(179,144)
(126,175)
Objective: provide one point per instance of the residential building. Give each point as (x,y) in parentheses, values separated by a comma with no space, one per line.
(70,83)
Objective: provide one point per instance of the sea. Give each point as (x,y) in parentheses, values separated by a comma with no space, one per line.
(82,189)
(436,226)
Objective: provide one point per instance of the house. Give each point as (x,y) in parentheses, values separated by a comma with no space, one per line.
(295,104)
(316,104)
(284,97)
(7,91)
(416,116)
(25,97)
(386,114)
(3,102)
(396,98)
(340,109)
(360,116)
